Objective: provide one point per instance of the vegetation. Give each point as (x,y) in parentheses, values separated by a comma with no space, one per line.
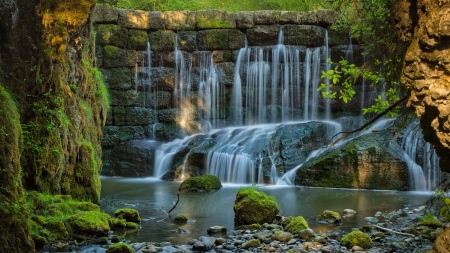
(120,248)
(180,218)
(232,5)
(356,238)
(201,183)
(297,224)
(128,214)
(254,206)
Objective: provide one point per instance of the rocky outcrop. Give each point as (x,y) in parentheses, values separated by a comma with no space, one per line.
(426,72)
(370,161)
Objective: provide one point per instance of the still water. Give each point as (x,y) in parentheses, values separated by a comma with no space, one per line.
(152,197)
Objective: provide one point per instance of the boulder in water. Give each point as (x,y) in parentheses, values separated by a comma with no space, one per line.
(204,183)
(329,217)
(254,206)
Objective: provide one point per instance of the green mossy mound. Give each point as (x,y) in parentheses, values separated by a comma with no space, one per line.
(254,206)
(90,223)
(180,219)
(430,221)
(120,248)
(129,214)
(204,183)
(356,238)
(297,224)
(329,217)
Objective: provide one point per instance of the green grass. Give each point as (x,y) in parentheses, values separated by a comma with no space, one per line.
(227,5)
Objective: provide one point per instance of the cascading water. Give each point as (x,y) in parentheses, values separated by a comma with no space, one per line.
(423,156)
(271,85)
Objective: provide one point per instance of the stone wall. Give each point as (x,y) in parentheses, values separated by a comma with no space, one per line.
(143,95)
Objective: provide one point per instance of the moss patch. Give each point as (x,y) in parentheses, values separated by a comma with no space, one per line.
(201,183)
(254,206)
(356,238)
(297,224)
(120,248)
(129,214)
(329,217)
(180,218)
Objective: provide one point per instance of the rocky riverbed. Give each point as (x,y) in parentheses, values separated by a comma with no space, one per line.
(404,230)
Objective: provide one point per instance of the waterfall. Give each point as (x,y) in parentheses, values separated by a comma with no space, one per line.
(422,155)
(349,52)
(327,55)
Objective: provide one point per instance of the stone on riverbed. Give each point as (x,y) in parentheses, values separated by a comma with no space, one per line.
(329,217)
(254,206)
(180,218)
(128,214)
(204,183)
(217,230)
(306,234)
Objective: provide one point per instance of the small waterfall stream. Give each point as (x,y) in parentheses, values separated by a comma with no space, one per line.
(272,86)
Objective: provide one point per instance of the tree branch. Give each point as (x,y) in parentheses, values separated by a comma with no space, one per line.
(178,194)
(368,123)
(392,231)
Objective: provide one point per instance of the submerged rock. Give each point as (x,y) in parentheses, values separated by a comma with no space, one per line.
(329,217)
(204,183)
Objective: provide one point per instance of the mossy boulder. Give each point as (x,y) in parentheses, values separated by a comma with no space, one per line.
(137,39)
(129,214)
(254,206)
(371,161)
(180,218)
(109,34)
(90,223)
(120,248)
(356,238)
(204,183)
(329,217)
(254,243)
(162,41)
(220,39)
(297,224)
(282,236)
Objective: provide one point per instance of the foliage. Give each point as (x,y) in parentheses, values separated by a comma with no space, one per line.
(429,220)
(345,75)
(444,199)
(231,5)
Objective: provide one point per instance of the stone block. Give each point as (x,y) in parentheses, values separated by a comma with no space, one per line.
(222,56)
(110,136)
(220,39)
(117,78)
(114,57)
(109,34)
(156,20)
(137,39)
(338,37)
(215,19)
(163,78)
(187,41)
(266,17)
(104,13)
(162,41)
(244,20)
(263,35)
(306,35)
(135,19)
(125,98)
(133,116)
(291,17)
(179,20)
(127,133)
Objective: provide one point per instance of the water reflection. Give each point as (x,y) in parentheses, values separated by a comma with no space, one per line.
(152,197)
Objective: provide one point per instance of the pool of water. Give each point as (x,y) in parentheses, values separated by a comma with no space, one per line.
(153,198)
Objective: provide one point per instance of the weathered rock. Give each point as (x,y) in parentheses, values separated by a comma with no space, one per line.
(296,225)
(306,234)
(329,217)
(217,230)
(117,78)
(133,116)
(244,20)
(129,214)
(254,206)
(120,248)
(137,39)
(220,39)
(369,161)
(156,20)
(426,69)
(266,17)
(104,13)
(282,236)
(179,20)
(180,218)
(187,40)
(114,57)
(263,35)
(215,19)
(109,34)
(204,183)
(254,243)
(162,41)
(306,35)
(356,238)
(90,223)
(135,19)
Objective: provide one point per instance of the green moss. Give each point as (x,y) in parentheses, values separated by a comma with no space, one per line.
(137,39)
(180,218)
(254,206)
(111,51)
(430,221)
(90,223)
(254,243)
(120,248)
(356,238)
(201,183)
(117,223)
(128,214)
(329,217)
(249,227)
(297,224)
(211,22)
(132,225)
(162,41)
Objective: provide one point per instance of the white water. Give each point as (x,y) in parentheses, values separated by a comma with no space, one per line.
(270,85)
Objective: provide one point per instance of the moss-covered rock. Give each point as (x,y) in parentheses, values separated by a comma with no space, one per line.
(250,227)
(179,20)
(162,41)
(137,39)
(297,224)
(220,39)
(329,217)
(90,223)
(214,19)
(203,183)
(253,243)
(282,236)
(128,214)
(120,248)
(109,34)
(254,206)
(370,161)
(180,218)
(356,238)
(430,221)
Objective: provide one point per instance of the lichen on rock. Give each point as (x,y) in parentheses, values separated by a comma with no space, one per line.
(254,206)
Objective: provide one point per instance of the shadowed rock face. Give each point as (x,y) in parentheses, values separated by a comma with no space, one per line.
(426,71)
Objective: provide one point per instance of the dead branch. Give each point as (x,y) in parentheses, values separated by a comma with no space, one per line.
(392,231)
(345,134)
(178,200)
